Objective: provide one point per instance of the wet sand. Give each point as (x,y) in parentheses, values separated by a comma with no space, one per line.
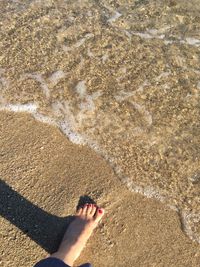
(51,174)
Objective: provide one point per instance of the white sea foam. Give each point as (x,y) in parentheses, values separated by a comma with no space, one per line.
(128,96)
(38,77)
(74,137)
(159,34)
(123,95)
(82,41)
(166,42)
(3,81)
(67,122)
(190,219)
(44,119)
(104,58)
(191,41)
(145,113)
(79,43)
(63,124)
(90,54)
(114,17)
(149,34)
(56,76)
(123,72)
(163,75)
(89,101)
(29,107)
(128,34)
(147,191)
(81,89)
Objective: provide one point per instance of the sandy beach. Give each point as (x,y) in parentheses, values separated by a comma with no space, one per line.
(99,101)
(49,172)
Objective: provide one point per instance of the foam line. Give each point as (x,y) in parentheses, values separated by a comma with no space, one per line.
(30,107)
(114,17)
(38,77)
(56,76)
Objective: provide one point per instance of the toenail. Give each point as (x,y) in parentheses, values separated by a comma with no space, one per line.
(90,205)
(100,211)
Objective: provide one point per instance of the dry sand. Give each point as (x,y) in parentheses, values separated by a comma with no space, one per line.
(48,175)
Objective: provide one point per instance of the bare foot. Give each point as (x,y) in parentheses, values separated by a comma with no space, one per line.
(78,233)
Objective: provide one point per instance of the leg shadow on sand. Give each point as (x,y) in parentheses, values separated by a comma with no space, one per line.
(45,229)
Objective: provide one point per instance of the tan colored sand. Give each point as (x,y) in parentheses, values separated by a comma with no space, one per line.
(40,164)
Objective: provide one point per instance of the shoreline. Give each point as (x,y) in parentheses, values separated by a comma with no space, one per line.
(41,165)
(74,138)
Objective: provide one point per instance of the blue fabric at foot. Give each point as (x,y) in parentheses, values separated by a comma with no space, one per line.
(54,262)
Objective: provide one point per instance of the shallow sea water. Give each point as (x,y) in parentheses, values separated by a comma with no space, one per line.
(120,76)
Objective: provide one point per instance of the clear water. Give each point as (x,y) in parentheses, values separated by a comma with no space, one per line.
(119,76)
